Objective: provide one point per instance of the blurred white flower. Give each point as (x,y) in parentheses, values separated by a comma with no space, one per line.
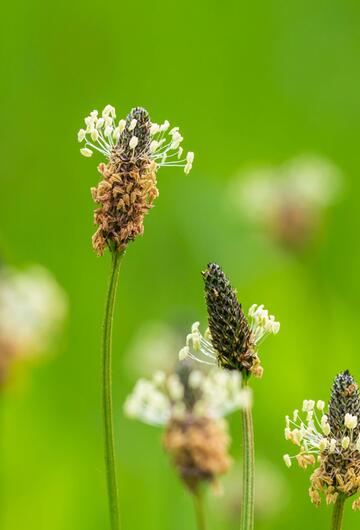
(314,180)
(32,307)
(190,405)
(288,200)
(210,395)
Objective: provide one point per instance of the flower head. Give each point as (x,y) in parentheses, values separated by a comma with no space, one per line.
(232,339)
(134,148)
(32,307)
(191,404)
(186,391)
(288,201)
(332,439)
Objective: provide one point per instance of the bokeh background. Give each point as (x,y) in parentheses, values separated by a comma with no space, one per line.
(249,83)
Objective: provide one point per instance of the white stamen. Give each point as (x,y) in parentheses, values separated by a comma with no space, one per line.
(184,353)
(164,127)
(323,444)
(287,460)
(345,442)
(81,135)
(350,421)
(133,142)
(153,146)
(132,124)
(154,129)
(94,135)
(320,405)
(109,110)
(86,152)
(332,445)
(122,124)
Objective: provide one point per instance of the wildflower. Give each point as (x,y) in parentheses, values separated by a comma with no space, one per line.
(190,405)
(135,148)
(332,440)
(32,307)
(232,339)
(288,201)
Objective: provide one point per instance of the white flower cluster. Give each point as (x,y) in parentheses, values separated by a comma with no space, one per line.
(198,344)
(102,133)
(32,305)
(308,181)
(313,433)
(158,400)
(260,322)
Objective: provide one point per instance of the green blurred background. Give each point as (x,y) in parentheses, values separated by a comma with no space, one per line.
(247,82)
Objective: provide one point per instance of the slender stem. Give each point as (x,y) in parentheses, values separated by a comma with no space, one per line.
(107,392)
(338,513)
(247,505)
(199,510)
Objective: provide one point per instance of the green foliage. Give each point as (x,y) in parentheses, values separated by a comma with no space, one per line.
(247,82)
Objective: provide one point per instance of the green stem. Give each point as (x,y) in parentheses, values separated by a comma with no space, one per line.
(247,505)
(107,392)
(338,513)
(199,510)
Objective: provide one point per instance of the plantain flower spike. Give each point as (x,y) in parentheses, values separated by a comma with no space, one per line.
(135,148)
(232,339)
(330,438)
(190,405)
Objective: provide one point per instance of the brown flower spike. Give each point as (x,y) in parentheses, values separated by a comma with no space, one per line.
(191,406)
(199,450)
(135,149)
(198,445)
(334,439)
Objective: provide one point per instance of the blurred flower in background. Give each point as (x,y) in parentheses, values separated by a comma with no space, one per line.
(191,405)
(289,201)
(152,348)
(32,309)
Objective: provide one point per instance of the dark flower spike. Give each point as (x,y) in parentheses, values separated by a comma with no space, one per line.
(230,331)
(232,339)
(135,149)
(344,400)
(331,439)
